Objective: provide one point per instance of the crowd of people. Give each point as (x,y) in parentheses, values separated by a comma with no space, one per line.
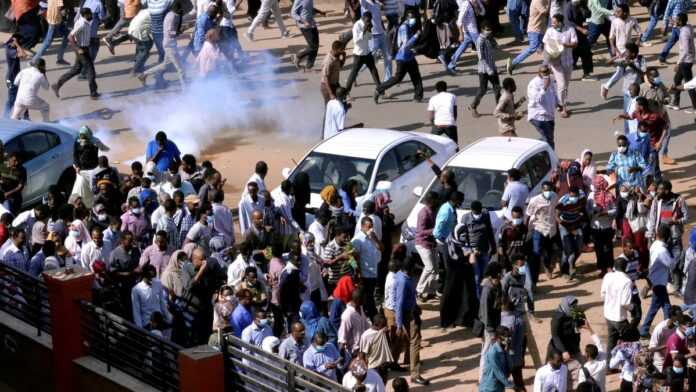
(327,289)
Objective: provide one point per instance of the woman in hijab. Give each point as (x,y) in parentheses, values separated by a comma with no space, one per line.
(601,205)
(176,277)
(382,201)
(635,220)
(270,344)
(587,167)
(78,235)
(302,198)
(315,284)
(342,295)
(564,336)
(314,322)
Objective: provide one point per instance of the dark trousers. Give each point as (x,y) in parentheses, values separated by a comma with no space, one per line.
(542,250)
(584,52)
(637,311)
(368,287)
(83,60)
(358,61)
(450,132)
(545,129)
(684,74)
(311,35)
(402,68)
(253,7)
(597,30)
(603,245)
(660,299)
(614,331)
(483,87)
(142,52)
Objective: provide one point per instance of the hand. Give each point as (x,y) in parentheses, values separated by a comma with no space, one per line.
(566,356)
(330,365)
(80,51)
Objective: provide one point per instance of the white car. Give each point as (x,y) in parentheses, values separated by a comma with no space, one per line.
(481,169)
(380,159)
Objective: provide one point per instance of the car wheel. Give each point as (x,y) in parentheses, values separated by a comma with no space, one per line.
(66,181)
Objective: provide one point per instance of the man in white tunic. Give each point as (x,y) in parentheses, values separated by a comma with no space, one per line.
(30,80)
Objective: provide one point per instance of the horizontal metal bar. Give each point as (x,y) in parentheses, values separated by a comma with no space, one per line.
(254,358)
(167,377)
(118,337)
(247,379)
(240,365)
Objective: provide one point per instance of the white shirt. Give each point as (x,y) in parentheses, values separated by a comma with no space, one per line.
(376,225)
(661,262)
(361,39)
(659,338)
(515,194)
(258,180)
(466,19)
(389,291)
(617,289)
(222,223)
(566,36)
(596,367)
(228,9)
(547,378)
(443,105)
(91,253)
(140,26)
(247,206)
(29,80)
(542,102)
(235,272)
(335,118)
(373,382)
(320,233)
(186,188)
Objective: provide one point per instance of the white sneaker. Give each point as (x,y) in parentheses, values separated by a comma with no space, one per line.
(248,36)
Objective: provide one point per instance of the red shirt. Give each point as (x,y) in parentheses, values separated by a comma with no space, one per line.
(3,233)
(674,343)
(655,122)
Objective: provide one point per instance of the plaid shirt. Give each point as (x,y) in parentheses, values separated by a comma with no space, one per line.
(186,223)
(17,258)
(622,163)
(676,7)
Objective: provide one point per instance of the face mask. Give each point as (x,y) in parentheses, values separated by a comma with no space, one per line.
(559,28)
(517,221)
(548,195)
(624,195)
(652,194)
(678,370)
(83,142)
(135,211)
(622,149)
(476,216)
(320,349)
(229,298)
(74,233)
(264,322)
(209,220)
(522,270)
(411,22)
(656,81)
(642,135)
(572,199)
(102,217)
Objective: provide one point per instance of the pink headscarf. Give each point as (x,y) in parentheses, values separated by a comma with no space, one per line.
(602,197)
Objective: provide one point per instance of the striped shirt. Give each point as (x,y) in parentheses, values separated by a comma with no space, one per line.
(97,15)
(486,63)
(82,32)
(391,7)
(676,7)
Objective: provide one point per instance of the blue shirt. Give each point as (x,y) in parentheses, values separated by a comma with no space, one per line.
(621,163)
(240,319)
(496,367)
(316,360)
(293,351)
(170,154)
(254,335)
(404,297)
(36,265)
(445,221)
(406,40)
(17,258)
(369,255)
(203,24)
(676,7)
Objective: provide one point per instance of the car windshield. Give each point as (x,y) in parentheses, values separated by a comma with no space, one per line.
(484,185)
(328,169)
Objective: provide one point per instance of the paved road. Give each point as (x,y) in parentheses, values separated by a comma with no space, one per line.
(273,112)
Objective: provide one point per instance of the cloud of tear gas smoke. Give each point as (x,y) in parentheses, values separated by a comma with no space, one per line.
(224,108)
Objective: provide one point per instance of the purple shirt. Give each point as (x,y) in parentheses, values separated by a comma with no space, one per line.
(137,225)
(424,228)
(156,258)
(275,268)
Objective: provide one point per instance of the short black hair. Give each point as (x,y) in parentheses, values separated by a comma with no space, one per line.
(518,210)
(622,137)
(592,351)
(514,174)
(261,167)
(161,136)
(624,7)
(620,264)
(667,184)
(682,18)
(492,269)
(632,47)
(509,84)
(476,206)
(441,86)
(558,17)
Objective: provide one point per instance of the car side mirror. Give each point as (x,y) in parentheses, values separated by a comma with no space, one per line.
(285,172)
(383,186)
(418,191)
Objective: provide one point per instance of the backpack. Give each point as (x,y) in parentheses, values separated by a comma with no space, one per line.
(594,387)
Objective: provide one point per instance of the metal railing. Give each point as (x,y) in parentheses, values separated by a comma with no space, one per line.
(25,297)
(129,348)
(250,369)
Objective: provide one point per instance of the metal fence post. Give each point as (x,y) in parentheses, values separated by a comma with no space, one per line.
(107,342)
(291,378)
(37,304)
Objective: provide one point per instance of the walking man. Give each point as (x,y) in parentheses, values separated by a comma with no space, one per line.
(80,38)
(442,110)
(29,81)
(303,13)
(362,54)
(538,20)
(172,25)
(543,99)
(682,69)
(268,7)
(487,71)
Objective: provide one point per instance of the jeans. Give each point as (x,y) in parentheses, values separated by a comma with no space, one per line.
(402,68)
(660,299)
(392,21)
(311,35)
(469,39)
(428,278)
(11,98)
(379,44)
(684,74)
(545,129)
(664,150)
(673,38)
(142,52)
(358,62)
(83,61)
(652,23)
(516,22)
(157,38)
(230,42)
(572,246)
(171,56)
(53,30)
(534,45)
(596,30)
(542,250)
(483,88)
(479,269)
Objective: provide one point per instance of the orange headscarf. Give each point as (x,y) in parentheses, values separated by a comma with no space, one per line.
(344,289)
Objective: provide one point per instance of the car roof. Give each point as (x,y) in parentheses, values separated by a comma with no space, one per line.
(496,153)
(361,142)
(12,128)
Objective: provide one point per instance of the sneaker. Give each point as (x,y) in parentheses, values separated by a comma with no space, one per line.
(56,90)
(672,107)
(95,96)
(248,36)
(474,112)
(451,71)
(690,111)
(375,96)
(285,34)
(646,44)
(82,77)
(62,62)
(295,60)
(508,66)
(109,45)
(589,78)
(604,92)
(142,78)
(662,61)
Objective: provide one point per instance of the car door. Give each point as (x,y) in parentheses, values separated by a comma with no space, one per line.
(389,169)
(415,172)
(538,170)
(39,155)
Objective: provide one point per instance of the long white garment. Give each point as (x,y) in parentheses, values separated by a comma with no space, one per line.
(284,203)
(335,118)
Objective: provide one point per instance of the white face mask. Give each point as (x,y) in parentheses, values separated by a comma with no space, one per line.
(102,217)
(517,221)
(624,195)
(135,211)
(75,233)
(476,216)
(548,195)
(622,149)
